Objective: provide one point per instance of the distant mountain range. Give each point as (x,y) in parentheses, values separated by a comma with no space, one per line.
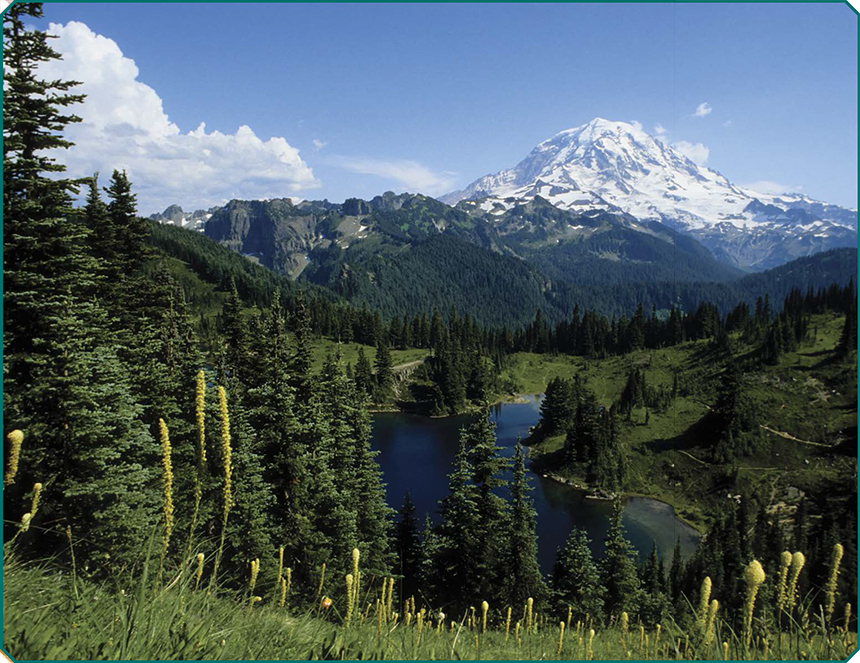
(618,168)
(602,215)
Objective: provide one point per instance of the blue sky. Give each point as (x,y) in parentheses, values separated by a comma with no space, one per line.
(365,98)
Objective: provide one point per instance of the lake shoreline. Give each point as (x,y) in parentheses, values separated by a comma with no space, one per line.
(623,494)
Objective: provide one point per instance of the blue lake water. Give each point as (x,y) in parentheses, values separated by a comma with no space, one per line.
(415,454)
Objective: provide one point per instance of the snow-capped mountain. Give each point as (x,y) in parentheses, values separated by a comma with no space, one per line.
(174,215)
(618,167)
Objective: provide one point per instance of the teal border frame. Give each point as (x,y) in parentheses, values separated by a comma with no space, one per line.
(158,2)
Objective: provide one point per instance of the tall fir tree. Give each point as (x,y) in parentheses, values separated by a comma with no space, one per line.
(576,579)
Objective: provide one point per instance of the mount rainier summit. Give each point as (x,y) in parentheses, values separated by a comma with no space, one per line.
(617,167)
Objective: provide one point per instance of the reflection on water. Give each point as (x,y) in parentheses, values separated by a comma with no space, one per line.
(416,452)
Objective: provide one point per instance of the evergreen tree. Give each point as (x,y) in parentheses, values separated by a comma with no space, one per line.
(523,578)
(618,569)
(384,377)
(576,580)
(408,544)
(363,374)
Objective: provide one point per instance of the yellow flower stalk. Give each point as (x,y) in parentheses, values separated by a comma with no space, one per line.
(200,412)
(589,654)
(508,624)
(280,562)
(797,562)
(167,466)
(200,559)
(252,601)
(25,521)
(484,608)
(641,637)
(255,571)
(388,612)
(847,616)
(725,651)
(356,556)
(227,455)
(625,620)
(754,577)
(322,580)
(16,437)
(830,586)
(560,639)
(349,598)
(529,605)
(784,565)
(709,623)
(704,599)
(283,583)
(569,617)
(517,634)
(34,504)
(657,640)
(289,581)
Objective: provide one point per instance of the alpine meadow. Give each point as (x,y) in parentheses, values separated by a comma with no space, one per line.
(599,405)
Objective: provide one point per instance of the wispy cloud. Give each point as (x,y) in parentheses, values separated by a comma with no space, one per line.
(695,152)
(319,144)
(727,123)
(703,109)
(410,175)
(660,133)
(125,127)
(766,186)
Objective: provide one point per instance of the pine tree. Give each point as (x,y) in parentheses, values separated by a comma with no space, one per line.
(523,578)
(618,569)
(363,374)
(455,552)
(408,545)
(576,580)
(491,529)
(384,377)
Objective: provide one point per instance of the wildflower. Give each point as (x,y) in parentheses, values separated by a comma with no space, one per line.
(280,562)
(349,598)
(289,581)
(168,487)
(16,437)
(200,411)
(390,594)
(326,603)
(322,579)
(754,577)
(226,451)
(255,571)
(508,624)
(625,620)
(784,565)
(725,651)
(283,584)
(25,521)
(529,605)
(797,562)
(704,598)
(484,608)
(200,559)
(709,623)
(847,617)
(589,654)
(37,492)
(252,601)
(830,587)
(560,639)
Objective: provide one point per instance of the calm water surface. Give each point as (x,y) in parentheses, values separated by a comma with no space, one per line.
(416,454)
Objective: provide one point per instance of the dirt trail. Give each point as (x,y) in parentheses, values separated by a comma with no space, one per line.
(405,367)
(789,436)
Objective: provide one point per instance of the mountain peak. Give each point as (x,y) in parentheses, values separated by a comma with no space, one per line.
(613,166)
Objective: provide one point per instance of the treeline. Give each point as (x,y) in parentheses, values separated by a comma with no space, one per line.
(119,438)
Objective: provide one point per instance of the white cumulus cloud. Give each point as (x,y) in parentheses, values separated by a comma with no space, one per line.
(319,144)
(410,175)
(703,109)
(695,152)
(125,127)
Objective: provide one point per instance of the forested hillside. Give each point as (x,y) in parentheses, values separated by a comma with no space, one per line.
(188,471)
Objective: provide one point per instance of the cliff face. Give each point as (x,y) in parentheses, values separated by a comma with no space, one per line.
(276,233)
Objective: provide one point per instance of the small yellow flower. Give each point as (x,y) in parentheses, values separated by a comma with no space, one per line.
(16,437)
(326,603)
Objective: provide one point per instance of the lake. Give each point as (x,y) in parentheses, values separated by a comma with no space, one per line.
(416,452)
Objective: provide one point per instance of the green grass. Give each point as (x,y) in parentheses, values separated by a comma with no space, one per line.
(47,616)
(349,353)
(810,395)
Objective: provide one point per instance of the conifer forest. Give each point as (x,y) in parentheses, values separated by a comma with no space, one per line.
(192,466)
